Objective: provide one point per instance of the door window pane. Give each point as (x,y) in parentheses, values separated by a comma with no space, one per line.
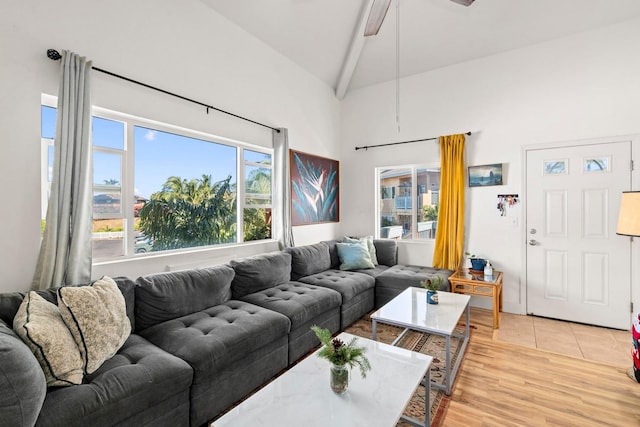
(600,164)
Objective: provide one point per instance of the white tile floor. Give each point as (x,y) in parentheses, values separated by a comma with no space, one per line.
(609,346)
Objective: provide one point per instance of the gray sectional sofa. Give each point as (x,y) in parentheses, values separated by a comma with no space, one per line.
(202,339)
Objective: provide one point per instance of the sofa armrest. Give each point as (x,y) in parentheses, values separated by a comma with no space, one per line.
(22,384)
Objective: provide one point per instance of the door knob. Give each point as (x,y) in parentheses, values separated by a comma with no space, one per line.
(533,242)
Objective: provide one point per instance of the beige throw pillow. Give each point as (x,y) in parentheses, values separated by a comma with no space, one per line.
(39,323)
(96,315)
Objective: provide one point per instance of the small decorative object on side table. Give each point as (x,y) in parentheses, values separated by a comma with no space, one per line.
(477,263)
(472,283)
(342,357)
(432,286)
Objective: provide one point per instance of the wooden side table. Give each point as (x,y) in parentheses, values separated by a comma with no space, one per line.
(471,283)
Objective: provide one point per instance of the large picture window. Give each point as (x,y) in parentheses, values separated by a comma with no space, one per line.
(159,188)
(407,202)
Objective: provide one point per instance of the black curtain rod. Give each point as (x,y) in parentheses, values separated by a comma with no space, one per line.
(55,55)
(366,147)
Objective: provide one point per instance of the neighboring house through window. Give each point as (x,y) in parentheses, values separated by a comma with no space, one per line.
(407,201)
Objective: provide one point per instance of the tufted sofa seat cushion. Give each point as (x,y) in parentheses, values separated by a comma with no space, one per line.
(300,302)
(233,348)
(374,272)
(396,279)
(127,389)
(348,283)
(305,305)
(401,276)
(357,292)
(218,336)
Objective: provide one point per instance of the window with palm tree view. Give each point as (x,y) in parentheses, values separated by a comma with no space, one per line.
(181,189)
(408,202)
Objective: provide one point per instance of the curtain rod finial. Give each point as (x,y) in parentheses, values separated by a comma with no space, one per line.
(53,54)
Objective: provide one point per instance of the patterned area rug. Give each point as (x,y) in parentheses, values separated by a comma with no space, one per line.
(432,345)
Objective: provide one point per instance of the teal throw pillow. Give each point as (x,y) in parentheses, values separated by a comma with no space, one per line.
(354,256)
(370,246)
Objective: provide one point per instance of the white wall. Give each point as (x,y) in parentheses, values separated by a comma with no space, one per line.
(180,46)
(580,87)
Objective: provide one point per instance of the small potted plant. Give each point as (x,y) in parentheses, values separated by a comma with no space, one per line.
(432,286)
(342,357)
(477,263)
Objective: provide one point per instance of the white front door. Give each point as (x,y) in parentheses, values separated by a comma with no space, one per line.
(578,269)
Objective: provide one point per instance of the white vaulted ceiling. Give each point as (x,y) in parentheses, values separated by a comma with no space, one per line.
(318,34)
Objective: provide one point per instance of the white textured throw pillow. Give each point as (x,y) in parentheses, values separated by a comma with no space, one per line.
(39,323)
(96,315)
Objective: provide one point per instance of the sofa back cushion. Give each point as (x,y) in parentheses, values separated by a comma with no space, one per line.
(166,296)
(22,383)
(386,251)
(260,272)
(310,259)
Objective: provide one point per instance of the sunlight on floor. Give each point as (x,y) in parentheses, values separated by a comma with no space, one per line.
(609,346)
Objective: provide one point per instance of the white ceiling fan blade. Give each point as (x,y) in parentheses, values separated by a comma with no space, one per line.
(464,2)
(376,17)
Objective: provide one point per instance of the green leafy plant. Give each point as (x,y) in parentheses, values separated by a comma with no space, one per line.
(339,353)
(472,256)
(430,213)
(186,213)
(432,284)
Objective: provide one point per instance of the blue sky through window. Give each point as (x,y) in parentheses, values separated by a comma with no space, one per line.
(158,155)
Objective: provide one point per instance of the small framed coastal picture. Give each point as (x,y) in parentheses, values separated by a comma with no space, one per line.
(485,175)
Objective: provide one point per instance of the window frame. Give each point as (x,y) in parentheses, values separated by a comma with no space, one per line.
(127,173)
(413,193)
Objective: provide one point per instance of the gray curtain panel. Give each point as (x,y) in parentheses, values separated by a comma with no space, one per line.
(65,252)
(282,215)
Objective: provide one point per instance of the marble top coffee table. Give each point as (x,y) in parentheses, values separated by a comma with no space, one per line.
(302,395)
(410,310)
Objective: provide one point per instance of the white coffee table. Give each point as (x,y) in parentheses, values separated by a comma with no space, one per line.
(410,310)
(302,395)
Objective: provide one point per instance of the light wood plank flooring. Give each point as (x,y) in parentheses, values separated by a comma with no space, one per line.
(504,384)
(571,339)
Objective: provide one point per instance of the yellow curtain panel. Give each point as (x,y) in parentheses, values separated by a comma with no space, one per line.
(450,231)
